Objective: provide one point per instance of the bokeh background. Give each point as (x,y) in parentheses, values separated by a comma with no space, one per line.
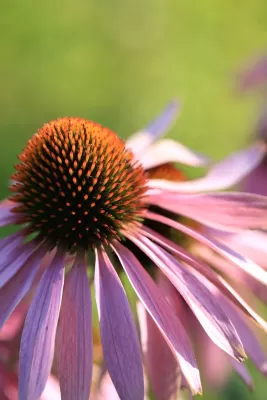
(118,62)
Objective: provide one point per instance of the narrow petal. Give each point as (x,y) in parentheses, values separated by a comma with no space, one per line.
(242,262)
(249,341)
(15,261)
(254,75)
(6,215)
(9,244)
(208,272)
(12,293)
(74,342)
(38,337)
(107,390)
(161,312)
(225,211)
(119,338)
(161,364)
(221,176)
(169,150)
(143,139)
(201,301)
(242,371)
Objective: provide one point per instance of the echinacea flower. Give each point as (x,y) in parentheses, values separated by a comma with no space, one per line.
(80,192)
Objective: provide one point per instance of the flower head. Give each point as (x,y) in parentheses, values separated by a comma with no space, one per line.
(78,187)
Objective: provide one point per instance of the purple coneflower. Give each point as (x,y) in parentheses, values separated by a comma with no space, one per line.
(80,193)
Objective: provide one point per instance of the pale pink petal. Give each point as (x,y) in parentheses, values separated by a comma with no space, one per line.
(16,288)
(38,337)
(224,211)
(169,150)
(201,301)
(221,176)
(242,371)
(16,260)
(144,138)
(6,215)
(160,362)
(74,342)
(161,312)
(119,338)
(107,390)
(244,263)
(52,389)
(206,271)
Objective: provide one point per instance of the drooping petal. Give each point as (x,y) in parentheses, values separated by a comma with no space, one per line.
(107,390)
(8,245)
(242,371)
(161,312)
(74,342)
(161,364)
(201,301)
(119,338)
(221,176)
(15,261)
(144,138)
(169,150)
(209,273)
(253,75)
(38,337)
(242,262)
(14,290)
(249,341)
(6,215)
(224,211)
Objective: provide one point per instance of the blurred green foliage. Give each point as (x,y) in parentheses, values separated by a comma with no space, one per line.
(118,62)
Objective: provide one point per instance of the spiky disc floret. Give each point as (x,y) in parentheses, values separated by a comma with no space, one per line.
(77,184)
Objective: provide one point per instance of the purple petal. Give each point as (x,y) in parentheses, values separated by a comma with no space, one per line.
(224,211)
(201,301)
(169,150)
(221,176)
(107,390)
(74,342)
(38,337)
(161,312)
(209,273)
(9,244)
(250,342)
(12,293)
(15,261)
(6,215)
(254,75)
(242,371)
(144,138)
(120,343)
(242,262)
(161,364)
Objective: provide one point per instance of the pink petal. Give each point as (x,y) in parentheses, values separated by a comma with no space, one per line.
(52,389)
(169,150)
(249,341)
(107,390)
(254,75)
(38,337)
(161,312)
(161,364)
(242,262)
(144,138)
(14,290)
(6,215)
(118,333)
(208,272)
(8,245)
(74,342)
(224,211)
(221,176)
(15,262)
(242,371)
(201,301)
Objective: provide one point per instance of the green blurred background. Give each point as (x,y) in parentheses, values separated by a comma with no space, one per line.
(118,63)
